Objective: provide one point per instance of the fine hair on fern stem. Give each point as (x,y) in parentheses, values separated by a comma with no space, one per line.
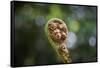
(57,31)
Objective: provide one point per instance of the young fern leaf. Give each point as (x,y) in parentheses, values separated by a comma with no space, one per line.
(56,31)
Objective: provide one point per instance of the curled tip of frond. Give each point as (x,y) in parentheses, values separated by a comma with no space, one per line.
(57,30)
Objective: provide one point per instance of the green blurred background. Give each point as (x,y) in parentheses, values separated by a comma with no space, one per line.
(31,44)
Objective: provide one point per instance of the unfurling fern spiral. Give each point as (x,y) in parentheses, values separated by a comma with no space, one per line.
(56,31)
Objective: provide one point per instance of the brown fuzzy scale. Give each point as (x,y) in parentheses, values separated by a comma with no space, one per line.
(57,32)
(64,53)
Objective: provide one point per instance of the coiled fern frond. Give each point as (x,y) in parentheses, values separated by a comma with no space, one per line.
(56,32)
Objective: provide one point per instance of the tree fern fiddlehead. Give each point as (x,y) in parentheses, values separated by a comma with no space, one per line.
(56,31)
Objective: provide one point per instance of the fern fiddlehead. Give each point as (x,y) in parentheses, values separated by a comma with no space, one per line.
(56,31)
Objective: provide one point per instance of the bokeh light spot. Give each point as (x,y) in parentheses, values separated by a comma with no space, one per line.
(92,41)
(74,26)
(72,39)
